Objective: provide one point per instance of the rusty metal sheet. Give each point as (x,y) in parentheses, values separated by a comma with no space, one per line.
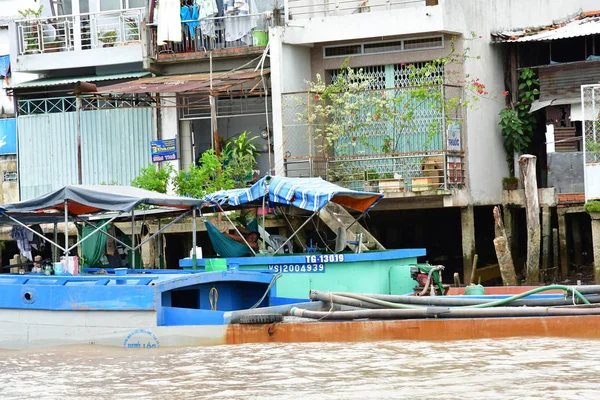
(196,83)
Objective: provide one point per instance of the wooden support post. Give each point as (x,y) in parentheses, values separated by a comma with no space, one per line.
(555,253)
(596,244)
(562,238)
(546,232)
(577,248)
(532,210)
(505,262)
(467,219)
(509,227)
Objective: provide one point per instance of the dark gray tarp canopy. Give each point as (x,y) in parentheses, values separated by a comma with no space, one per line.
(90,199)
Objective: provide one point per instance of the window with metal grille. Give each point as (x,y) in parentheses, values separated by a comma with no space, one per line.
(423,43)
(342,51)
(395,75)
(9,176)
(384,46)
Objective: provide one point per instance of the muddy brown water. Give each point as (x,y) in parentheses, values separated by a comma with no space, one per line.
(480,369)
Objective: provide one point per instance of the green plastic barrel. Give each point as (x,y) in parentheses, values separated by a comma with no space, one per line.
(474,290)
(216,264)
(260,37)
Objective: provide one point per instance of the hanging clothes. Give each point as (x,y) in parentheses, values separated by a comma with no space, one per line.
(238,22)
(22,236)
(37,243)
(169,22)
(189,17)
(207,9)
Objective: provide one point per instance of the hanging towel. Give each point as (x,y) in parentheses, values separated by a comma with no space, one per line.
(239,26)
(37,243)
(20,234)
(189,14)
(169,22)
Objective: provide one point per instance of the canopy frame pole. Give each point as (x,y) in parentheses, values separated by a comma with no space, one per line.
(356,220)
(160,230)
(236,229)
(128,247)
(66,234)
(295,232)
(55,238)
(133,239)
(36,233)
(264,245)
(159,243)
(93,232)
(194,255)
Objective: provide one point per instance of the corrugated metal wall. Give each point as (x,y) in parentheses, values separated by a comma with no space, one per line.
(115,146)
(47,152)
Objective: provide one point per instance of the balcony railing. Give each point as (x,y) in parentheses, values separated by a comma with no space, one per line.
(79,32)
(303,9)
(219,33)
(424,153)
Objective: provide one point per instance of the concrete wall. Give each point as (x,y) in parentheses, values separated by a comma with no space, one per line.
(565,172)
(10,190)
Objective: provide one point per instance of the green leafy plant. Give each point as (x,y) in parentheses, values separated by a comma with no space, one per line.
(241,146)
(32,27)
(154,179)
(347,117)
(592,206)
(510,183)
(515,120)
(133,30)
(108,37)
(208,176)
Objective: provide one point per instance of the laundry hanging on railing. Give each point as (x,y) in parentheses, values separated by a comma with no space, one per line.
(207,10)
(169,22)
(238,22)
(190,15)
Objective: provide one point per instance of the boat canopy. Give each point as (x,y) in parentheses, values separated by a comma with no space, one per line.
(311,194)
(89,199)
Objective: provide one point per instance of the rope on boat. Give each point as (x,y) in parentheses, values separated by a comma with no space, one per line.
(213,297)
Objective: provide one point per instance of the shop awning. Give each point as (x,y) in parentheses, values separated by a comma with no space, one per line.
(311,194)
(195,83)
(538,105)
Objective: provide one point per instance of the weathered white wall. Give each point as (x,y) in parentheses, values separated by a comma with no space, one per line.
(290,69)
(486,159)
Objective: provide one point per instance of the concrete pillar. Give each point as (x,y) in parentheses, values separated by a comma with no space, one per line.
(277,73)
(168,128)
(562,239)
(185,147)
(596,244)
(546,243)
(467,222)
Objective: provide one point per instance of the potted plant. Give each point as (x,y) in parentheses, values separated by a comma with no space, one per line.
(108,38)
(32,28)
(390,183)
(371,182)
(510,183)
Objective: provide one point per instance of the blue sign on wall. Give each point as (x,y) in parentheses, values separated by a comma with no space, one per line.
(163,150)
(8,136)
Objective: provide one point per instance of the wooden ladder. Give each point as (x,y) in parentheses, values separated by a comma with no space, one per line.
(337,217)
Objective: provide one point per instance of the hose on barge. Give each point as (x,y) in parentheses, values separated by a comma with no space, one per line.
(444,312)
(341,299)
(496,303)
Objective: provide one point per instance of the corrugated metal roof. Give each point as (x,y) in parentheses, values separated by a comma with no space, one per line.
(69,80)
(586,24)
(196,83)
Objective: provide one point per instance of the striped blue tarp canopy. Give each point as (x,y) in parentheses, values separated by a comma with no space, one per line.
(311,194)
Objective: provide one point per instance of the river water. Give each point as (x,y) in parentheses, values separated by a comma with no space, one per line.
(481,369)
